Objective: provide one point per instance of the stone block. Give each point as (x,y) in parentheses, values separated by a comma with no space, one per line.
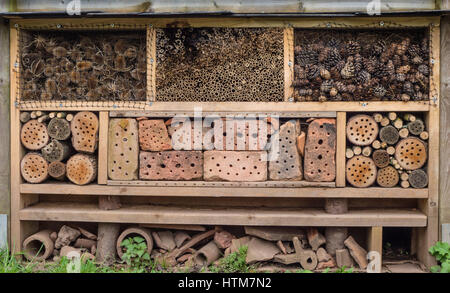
(189,135)
(235,166)
(286,162)
(153,136)
(171,165)
(320,151)
(123,149)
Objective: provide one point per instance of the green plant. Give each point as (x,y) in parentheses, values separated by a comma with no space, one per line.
(441,251)
(344,270)
(10,264)
(233,263)
(136,254)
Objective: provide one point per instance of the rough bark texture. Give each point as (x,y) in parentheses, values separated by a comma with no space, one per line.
(106,244)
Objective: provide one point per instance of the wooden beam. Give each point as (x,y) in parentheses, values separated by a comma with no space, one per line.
(375,239)
(151,64)
(288,64)
(166,190)
(102,176)
(340,148)
(150,214)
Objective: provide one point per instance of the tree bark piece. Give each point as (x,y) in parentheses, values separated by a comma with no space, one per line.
(207,254)
(336,206)
(287,165)
(320,151)
(59,129)
(418,178)
(132,232)
(343,258)
(109,202)
(81,169)
(56,151)
(39,246)
(358,253)
(315,238)
(34,168)
(57,170)
(357,127)
(106,244)
(389,134)
(66,235)
(335,237)
(301,139)
(123,149)
(34,135)
(84,127)
(260,250)
(275,233)
(381,158)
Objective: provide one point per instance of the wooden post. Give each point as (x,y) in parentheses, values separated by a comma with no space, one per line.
(340,148)
(103,148)
(375,240)
(151,64)
(288,64)
(106,244)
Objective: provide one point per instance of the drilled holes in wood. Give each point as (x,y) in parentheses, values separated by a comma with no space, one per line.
(84,128)
(411,153)
(34,168)
(361,171)
(34,135)
(362,130)
(387,177)
(82,169)
(380,158)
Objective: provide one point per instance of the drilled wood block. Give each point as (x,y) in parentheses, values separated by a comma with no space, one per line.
(320,151)
(411,153)
(235,166)
(286,164)
(84,127)
(361,171)
(153,136)
(236,134)
(171,165)
(34,168)
(387,177)
(190,135)
(123,149)
(34,135)
(81,169)
(381,158)
(362,130)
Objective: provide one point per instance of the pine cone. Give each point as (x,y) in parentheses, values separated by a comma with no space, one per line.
(423,68)
(306,57)
(417,60)
(414,50)
(340,86)
(358,63)
(379,91)
(332,59)
(408,88)
(363,77)
(390,69)
(349,69)
(333,43)
(300,82)
(400,77)
(299,72)
(323,55)
(379,47)
(326,86)
(397,60)
(353,47)
(370,64)
(312,72)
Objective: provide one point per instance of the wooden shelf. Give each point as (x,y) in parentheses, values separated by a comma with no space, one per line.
(199,191)
(135,109)
(264,184)
(151,214)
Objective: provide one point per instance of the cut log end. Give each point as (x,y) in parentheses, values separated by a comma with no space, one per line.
(57,170)
(418,178)
(59,129)
(82,169)
(84,127)
(34,168)
(34,135)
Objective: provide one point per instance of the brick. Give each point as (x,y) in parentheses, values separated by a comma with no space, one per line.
(320,150)
(286,162)
(246,134)
(171,165)
(180,131)
(153,136)
(235,166)
(123,149)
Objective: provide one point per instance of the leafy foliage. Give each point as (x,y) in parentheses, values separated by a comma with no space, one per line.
(136,254)
(10,264)
(441,251)
(233,263)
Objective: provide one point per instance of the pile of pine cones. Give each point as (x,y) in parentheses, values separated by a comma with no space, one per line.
(336,65)
(83,66)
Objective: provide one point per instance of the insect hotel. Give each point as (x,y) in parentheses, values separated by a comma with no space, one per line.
(313,137)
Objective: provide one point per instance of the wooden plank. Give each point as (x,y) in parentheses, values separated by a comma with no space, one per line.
(264,184)
(168,191)
(151,64)
(288,64)
(102,176)
(429,236)
(152,214)
(340,149)
(175,227)
(313,22)
(375,239)
(172,112)
(230,107)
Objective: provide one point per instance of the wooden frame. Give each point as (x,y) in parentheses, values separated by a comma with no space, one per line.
(27,211)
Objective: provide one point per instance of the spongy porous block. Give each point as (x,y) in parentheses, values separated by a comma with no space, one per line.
(320,151)
(171,165)
(153,136)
